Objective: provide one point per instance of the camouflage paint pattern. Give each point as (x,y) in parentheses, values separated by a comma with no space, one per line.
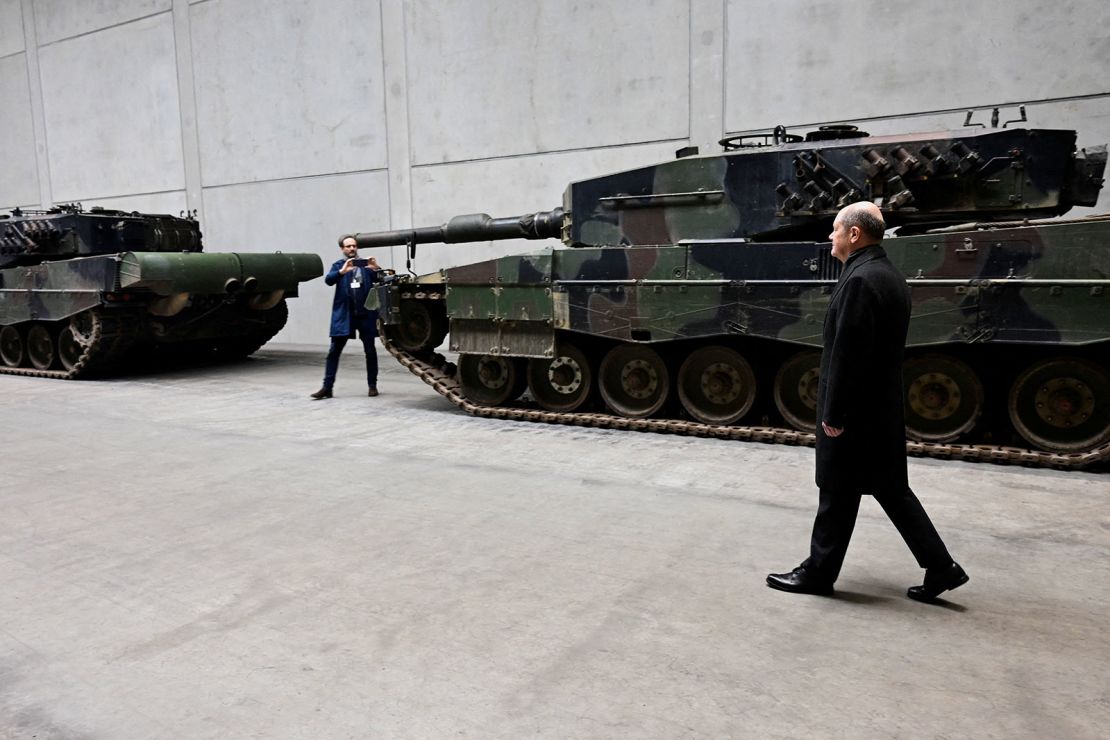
(1029,284)
(54,290)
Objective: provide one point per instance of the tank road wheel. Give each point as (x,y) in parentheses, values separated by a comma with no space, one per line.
(75,337)
(716,385)
(40,347)
(634,380)
(944,398)
(421,328)
(69,348)
(796,390)
(490,381)
(12,349)
(1062,405)
(562,383)
(83,326)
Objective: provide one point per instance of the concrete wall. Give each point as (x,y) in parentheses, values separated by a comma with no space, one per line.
(285,123)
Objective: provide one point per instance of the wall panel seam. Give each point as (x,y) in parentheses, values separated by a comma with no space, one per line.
(90,32)
(38,105)
(187,107)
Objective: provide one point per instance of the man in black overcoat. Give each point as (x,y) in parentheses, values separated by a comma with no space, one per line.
(861,435)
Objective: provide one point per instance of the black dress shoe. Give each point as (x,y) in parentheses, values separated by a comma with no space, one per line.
(938,580)
(800,581)
(322,393)
(373,391)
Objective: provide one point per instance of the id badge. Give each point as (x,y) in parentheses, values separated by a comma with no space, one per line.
(356,283)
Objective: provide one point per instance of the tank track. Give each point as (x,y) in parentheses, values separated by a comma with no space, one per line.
(113,334)
(436,375)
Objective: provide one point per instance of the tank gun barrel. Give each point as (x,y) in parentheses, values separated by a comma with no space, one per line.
(473,227)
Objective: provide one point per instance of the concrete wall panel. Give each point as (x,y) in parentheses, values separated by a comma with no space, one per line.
(509,187)
(60,19)
(113,124)
(500,77)
(287,88)
(19,176)
(826,60)
(11,27)
(305,215)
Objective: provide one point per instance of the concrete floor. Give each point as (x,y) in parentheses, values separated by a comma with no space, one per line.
(211,554)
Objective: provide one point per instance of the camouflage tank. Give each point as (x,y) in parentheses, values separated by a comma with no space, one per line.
(88,292)
(691,295)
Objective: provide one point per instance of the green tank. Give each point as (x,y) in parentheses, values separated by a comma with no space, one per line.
(691,293)
(84,293)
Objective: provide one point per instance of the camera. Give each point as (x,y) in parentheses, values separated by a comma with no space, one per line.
(358,262)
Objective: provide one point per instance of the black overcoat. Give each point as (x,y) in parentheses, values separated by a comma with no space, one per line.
(861,377)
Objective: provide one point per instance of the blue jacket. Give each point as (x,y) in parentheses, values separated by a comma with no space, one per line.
(348,311)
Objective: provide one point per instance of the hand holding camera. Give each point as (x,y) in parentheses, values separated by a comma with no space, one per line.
(354,262)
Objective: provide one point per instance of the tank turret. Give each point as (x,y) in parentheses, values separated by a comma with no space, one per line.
(790,187)
(63,232)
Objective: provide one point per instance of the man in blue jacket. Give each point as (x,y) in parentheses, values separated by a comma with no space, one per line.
(352,280)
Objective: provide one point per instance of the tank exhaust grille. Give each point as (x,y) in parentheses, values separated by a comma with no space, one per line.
(828,267)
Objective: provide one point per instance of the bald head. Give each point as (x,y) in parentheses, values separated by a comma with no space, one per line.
(857,226)
(866,216)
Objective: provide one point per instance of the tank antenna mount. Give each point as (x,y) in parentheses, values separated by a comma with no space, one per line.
(994,118)
(1023,119)
(968,123)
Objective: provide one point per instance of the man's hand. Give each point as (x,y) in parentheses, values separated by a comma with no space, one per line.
(832,431)
(372,263)
(347,266)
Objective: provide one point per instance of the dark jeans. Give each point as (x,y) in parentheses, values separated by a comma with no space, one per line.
(836,518)
(331,366)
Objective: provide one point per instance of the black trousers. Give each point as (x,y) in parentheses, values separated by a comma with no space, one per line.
(836,518)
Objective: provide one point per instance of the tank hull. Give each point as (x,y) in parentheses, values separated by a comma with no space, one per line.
(729,332)
(92,315)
